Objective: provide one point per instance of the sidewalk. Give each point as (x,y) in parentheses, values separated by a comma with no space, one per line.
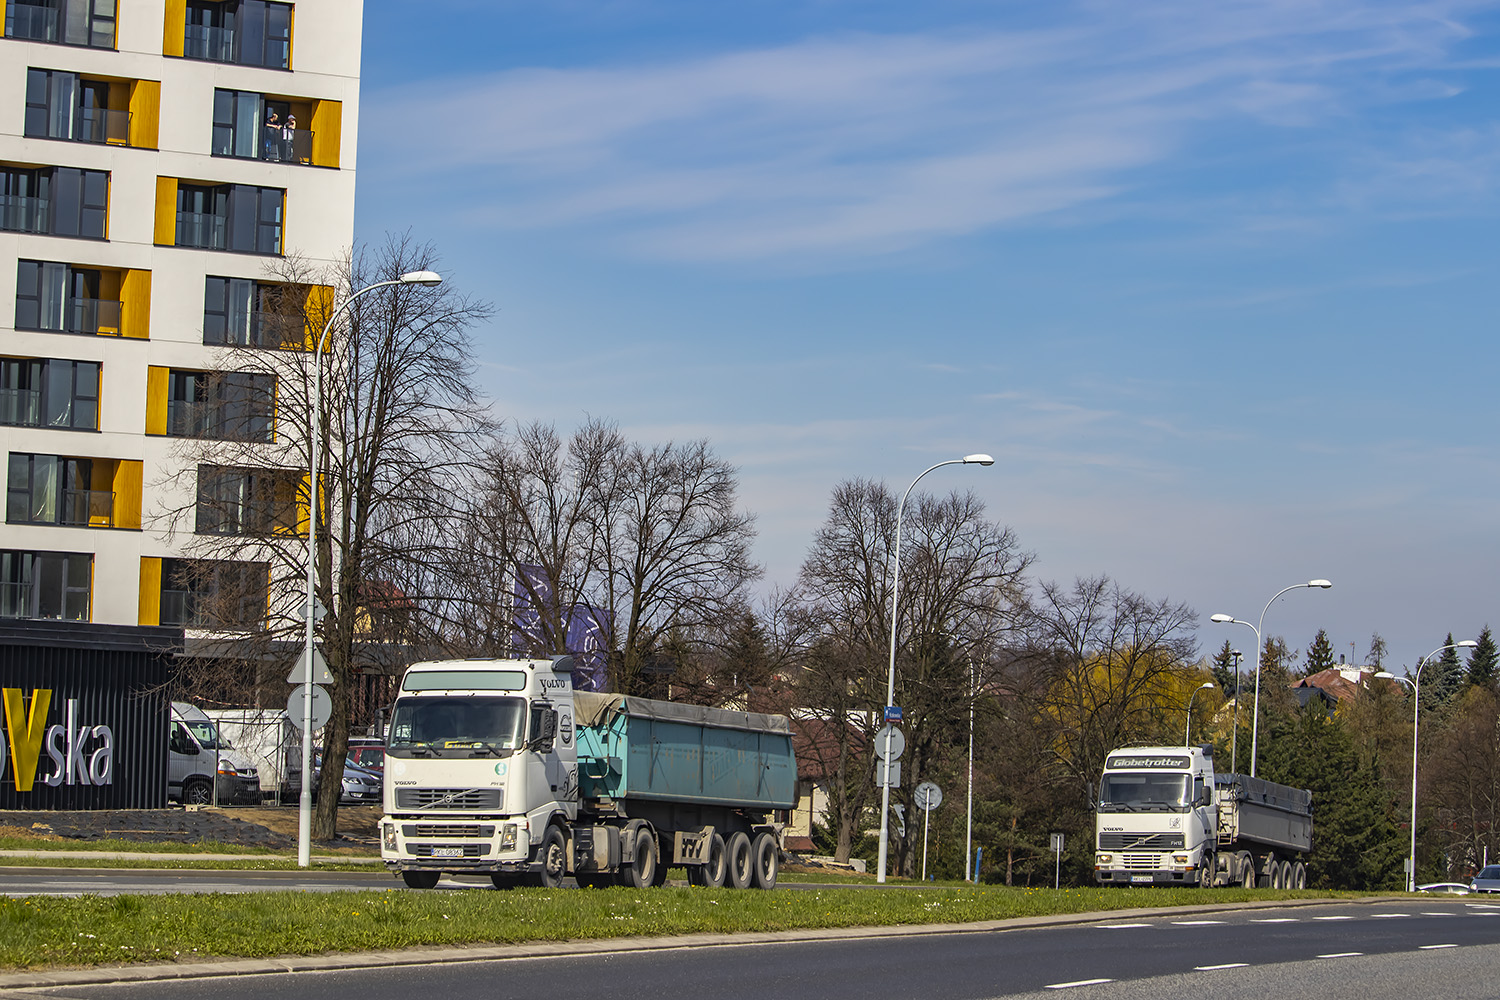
(317,859)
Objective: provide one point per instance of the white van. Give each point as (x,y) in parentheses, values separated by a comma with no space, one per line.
(197,753)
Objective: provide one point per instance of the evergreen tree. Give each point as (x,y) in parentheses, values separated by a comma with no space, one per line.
(1442,678)
(1319,654)
(1223,669)
(1484,660)
(1377,651)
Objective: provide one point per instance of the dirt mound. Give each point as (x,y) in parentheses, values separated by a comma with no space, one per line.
(274,828)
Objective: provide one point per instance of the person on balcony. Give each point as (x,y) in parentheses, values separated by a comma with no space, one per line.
(288,134)
(273,137)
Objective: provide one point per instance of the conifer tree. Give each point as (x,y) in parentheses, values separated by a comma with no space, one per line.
(1442,678)
(1319,654)
(1223,669)
(1484,660)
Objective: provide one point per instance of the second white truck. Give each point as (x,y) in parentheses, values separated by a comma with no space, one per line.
(1164,817)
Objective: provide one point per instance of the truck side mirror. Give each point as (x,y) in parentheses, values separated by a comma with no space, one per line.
(546,730)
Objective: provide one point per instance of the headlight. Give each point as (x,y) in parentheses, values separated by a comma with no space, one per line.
(388,836)
(1105,859)
(227,768)
(508,837)
(1180,859)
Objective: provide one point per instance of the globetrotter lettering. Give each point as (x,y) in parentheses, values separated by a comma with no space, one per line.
(80,754)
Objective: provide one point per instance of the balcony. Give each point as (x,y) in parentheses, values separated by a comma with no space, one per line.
(97,317)
(23,214)
(283,147)
(21,407)
(212,44)
(203,230)
(180,608)
(15,600)
(100,125)
(36,24)
(87,508)
(190,419)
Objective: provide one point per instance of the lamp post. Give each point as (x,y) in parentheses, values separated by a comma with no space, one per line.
(1187,730)
(890,684)
(304,799)
(1255,722)
(1234,737)
(969,822)
(1416,707)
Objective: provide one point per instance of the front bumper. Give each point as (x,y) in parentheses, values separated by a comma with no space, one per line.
(239,789)
(445,844)
(1136,876)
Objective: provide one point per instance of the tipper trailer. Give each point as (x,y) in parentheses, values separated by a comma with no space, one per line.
(1164,817)
(499,767)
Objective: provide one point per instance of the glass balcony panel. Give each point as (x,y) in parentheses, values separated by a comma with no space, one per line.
(15,600)
(38,24)
(88,508)
(212,44)
(97,316)
(282,146)
(102,125)
(21,407)
(203,230)
(187,418)
(23,214)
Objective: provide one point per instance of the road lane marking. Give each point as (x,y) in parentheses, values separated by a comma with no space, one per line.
(1434,913)
(1081,982)
(1434,947)
(1337,916)
(1385,916)
(1196,923)
(1343,954)
(1116,927)
(1274,920)
(1226,965)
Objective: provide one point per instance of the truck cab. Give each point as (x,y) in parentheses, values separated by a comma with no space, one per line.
(480,760)
(1156,817)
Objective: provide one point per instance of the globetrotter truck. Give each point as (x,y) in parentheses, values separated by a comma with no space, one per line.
(1165,818)
(499,767)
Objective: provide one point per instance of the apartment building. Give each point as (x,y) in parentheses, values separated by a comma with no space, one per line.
(159,160)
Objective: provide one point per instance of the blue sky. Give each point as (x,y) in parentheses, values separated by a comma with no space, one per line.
(1214,283)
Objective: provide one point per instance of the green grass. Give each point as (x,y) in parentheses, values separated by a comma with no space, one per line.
(48,931)
(130,846)
(190,863)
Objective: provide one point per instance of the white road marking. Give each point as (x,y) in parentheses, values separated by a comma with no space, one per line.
(1196,923)
(1435,913)
(1116,927)
(1383,916)
(1343,954)
(1274,920)
(1434,947)
(1081,982)
(1339,916)
(1227,965)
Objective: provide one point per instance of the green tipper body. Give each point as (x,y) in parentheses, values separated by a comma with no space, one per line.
(639,749)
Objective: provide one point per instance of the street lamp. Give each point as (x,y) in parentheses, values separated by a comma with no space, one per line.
(890,684)
(1255,722)
(304,799)
(1234,737)
(1187,730)
(1416,705)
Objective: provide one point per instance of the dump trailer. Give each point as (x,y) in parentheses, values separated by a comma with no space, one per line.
(499,767)
(1164,817)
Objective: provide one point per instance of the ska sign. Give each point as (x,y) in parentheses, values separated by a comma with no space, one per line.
(77,753)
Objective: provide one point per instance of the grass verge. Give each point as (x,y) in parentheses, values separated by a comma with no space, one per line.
(49,931)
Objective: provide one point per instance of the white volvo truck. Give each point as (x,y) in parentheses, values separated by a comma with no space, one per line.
(1165,818)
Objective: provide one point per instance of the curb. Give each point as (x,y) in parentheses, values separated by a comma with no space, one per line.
(576,948)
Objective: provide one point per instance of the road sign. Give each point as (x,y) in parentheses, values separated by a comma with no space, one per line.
(320,671)
(322,706)
(1057,842)
(893,713)
(889,734)
(927,796)
(887,774)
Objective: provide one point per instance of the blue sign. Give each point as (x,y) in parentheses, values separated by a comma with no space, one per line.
(893,713)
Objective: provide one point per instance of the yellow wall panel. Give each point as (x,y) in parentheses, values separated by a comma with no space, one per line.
(328,132)
(145,113)
(135,304)
(319,309)
(174,28)
(150,602)
(157,380)
(166,211)
(127,484)
(2,15)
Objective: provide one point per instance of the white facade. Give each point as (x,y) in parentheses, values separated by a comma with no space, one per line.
(145,177)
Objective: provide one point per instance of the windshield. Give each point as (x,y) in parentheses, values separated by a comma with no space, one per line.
(456,727)
(1141,791)
(208,736)
(1492,871)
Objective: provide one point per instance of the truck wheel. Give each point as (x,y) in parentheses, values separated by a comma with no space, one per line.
(553,855)
(767,861)
(197,792)
(1286,875)
(1299,876)
(739,861)
(504,880)
(711,874)
(641,872)
(420,879)
(1247,871)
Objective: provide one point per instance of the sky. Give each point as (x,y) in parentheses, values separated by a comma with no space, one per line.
(1215,284)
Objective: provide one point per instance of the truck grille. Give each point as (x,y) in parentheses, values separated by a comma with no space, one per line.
(464,799)
(1140,861)
(462,830)
(1139,841)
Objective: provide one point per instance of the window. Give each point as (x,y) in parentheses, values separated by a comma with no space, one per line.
(214,594)
(246,501)
(256,126)
(229,217)
(223,406)
(68,22)
(42,392)
(247,32)
(45,585)
(61,105)
(54,201)
(242,312)
(53,489)
(60,298)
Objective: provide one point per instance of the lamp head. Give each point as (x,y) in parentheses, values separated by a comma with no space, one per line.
(1221,619)
(1466,644)
(427,278)
(1205,684)
(978,460)
(1324,584)
(1384,675)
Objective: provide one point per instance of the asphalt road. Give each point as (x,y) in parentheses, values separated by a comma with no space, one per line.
(1416,949)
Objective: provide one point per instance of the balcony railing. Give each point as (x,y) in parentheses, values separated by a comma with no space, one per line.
(88,508)
(92,316)
(23,214)
(187,609)
(213,44)
(203,230)
(190,419)
(21,407)
(38,24)
(15,600)
(286,146)
(102,125)
(202,419)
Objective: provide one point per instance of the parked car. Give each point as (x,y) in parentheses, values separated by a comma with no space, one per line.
(1488,879)
(361,786)
(199,758)
(1445,888)
(368,752)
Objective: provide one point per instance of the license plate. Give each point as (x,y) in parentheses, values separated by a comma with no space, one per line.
(447,852)
(1133,878)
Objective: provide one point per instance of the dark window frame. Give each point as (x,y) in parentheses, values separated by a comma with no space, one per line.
(27,575)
